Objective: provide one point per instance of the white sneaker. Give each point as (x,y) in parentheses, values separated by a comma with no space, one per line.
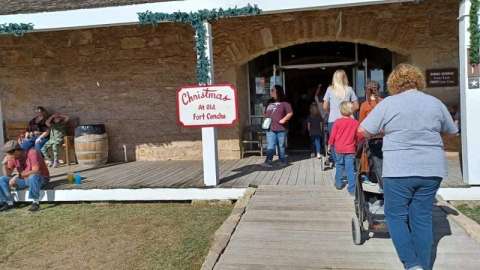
(415,268)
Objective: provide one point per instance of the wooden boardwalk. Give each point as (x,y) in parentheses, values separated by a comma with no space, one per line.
(189,174)
(302,170)
(308,227)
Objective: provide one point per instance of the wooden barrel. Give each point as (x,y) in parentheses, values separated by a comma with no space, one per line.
(91,145)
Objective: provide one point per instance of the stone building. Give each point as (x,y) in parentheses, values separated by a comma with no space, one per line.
(126,75)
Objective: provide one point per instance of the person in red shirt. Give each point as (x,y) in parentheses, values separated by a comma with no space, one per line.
(32,173)
(344,140)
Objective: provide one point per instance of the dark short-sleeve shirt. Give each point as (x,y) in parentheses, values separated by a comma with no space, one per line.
(315,125)
(39,126)
(276,111)
(412,122)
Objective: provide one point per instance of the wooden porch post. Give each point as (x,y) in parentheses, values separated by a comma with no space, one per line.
(469,100)
(2,138)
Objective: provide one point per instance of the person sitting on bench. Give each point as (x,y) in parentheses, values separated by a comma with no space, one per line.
(57,124)
(32,173)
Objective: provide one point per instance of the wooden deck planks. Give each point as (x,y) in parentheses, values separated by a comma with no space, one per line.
(184,174)
(308,227)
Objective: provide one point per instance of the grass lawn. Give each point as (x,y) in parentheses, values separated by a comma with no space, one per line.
(109,236)
(472,210)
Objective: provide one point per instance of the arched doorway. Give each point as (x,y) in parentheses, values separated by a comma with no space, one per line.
(301,68)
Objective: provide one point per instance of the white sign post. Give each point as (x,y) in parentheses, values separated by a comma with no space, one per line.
(208,107)
(209,134)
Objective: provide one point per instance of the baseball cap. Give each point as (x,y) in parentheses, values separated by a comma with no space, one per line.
(11,146)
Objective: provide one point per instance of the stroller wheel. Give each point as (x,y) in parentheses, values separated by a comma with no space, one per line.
(357,232)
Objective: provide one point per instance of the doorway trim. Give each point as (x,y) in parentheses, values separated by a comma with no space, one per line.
(319,65)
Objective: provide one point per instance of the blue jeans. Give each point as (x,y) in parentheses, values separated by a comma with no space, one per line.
(29,143)
(316,143)
(275,138)
(345,164)
(332,149)
(34,184)
(408,211)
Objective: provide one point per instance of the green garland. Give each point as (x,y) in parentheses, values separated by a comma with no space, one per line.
(196,20)
(15,28)
(474,33)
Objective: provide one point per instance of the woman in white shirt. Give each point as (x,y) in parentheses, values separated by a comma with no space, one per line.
(336,93)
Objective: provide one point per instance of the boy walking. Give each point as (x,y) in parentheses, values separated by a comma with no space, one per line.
(344,138)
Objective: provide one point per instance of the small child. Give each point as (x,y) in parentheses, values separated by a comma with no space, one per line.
(314,127)
(345,138)
(57,124)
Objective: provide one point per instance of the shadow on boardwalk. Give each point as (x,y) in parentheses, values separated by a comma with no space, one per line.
(251,168)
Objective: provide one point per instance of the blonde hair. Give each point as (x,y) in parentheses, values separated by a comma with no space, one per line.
(340,83)
(405,77)
(346,108)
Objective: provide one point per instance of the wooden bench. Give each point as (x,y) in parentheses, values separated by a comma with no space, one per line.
(13,130)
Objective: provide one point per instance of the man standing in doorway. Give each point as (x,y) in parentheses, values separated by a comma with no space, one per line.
(32,173)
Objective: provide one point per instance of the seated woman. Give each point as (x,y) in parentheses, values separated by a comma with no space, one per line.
(57,124)
(37,132)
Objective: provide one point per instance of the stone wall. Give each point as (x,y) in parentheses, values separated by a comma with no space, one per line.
(424,34)
(126,77)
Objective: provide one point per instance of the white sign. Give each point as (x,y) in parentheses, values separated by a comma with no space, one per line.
(207,106)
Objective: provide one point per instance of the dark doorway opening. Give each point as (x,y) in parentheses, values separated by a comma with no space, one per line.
(301,86)
(300,68)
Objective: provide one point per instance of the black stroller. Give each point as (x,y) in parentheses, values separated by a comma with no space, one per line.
(326,163)
(369,212)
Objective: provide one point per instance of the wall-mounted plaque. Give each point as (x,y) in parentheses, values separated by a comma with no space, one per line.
(446,77)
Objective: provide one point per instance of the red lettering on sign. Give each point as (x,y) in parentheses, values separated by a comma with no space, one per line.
(206,93)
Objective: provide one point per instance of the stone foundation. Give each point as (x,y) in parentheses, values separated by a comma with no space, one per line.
(184,150)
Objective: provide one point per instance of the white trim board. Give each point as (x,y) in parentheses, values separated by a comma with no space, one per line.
(460,194)
(145,194)
(125,15)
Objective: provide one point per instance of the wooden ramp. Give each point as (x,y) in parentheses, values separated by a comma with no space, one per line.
(309,227)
